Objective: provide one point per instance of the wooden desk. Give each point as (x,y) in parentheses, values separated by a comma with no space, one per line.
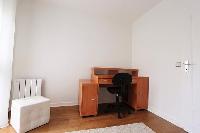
(102,77)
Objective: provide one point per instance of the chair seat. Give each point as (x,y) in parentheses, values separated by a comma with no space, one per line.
(29,113)
(18,103)
(112,90)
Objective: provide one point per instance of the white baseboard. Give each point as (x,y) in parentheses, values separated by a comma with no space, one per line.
(3,126)
(60,104)
(167,117)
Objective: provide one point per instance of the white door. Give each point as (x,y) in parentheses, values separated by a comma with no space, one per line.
(196,66)
(183,53)
(190,111)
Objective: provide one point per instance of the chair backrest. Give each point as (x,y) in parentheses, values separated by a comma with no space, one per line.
(123,81)
(23,88)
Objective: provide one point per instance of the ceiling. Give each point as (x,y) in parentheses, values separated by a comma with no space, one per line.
(128,10)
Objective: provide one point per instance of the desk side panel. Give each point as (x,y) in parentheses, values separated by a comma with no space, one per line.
(88,99)
(142,92)
(138,94)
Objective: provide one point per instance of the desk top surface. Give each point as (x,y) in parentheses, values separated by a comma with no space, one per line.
(107,72)
(113,68)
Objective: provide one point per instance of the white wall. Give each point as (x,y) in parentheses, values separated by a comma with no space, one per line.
(162,37)
(61,45)
(7,28)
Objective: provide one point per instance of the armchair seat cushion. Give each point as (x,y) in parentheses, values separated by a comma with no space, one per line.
(29,113)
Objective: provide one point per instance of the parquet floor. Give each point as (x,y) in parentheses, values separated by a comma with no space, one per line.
(67,119)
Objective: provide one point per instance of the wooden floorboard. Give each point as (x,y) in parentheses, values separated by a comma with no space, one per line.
(67,119)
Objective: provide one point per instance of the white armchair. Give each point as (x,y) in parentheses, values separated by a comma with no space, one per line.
(29,109)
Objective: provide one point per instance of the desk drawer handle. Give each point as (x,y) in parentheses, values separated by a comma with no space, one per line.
(93,99)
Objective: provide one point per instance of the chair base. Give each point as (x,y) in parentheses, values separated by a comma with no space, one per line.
(121,111)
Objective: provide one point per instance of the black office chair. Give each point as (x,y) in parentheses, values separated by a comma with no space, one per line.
(121,84)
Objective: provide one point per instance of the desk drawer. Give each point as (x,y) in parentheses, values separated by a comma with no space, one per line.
(105,81)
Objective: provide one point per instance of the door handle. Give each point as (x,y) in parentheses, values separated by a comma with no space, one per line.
(187,64)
